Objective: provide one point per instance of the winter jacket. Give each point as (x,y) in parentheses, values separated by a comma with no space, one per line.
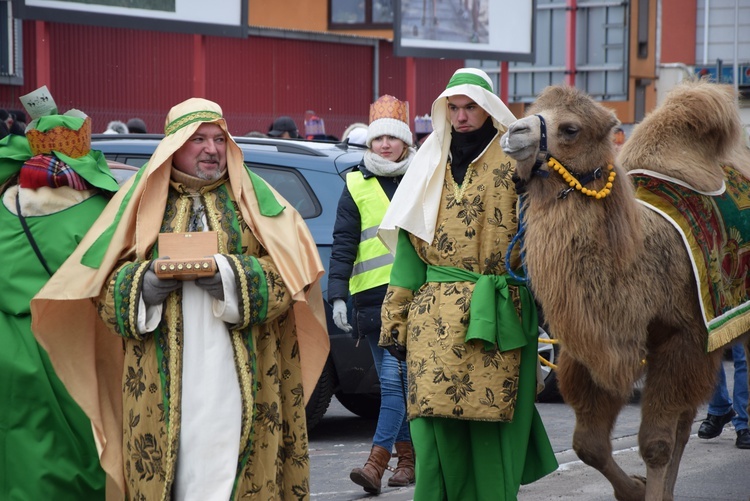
(346,235)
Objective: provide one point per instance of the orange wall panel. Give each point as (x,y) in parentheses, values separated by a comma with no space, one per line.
(306,15)
(679,19)
(643,67)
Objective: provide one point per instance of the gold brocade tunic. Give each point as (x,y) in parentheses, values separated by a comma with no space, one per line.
(447,376)
(273,435)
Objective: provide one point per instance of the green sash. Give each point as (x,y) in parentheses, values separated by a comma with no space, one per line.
(492,315)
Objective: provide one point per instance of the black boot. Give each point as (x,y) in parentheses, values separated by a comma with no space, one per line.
(743,439)
(712,426)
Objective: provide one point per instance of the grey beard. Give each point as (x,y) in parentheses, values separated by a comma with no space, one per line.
(210,176)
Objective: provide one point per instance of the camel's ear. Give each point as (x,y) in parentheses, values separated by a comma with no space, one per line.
(614,121)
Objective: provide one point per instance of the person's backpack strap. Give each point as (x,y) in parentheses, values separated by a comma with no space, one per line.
(29,235)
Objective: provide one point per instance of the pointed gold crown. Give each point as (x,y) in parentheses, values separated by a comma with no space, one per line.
(389,107)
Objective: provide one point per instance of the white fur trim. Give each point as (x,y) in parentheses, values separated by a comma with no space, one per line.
(389,127)
(45,200)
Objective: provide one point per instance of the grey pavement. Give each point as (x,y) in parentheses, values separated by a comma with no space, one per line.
(711,470)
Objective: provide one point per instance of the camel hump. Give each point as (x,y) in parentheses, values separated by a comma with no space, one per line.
(691,136)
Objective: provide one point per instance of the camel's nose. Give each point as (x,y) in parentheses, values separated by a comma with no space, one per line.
(518,127)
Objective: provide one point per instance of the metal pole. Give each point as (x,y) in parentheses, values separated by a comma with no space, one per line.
(375,71)
(707,7)
(411,87)
(570,42)
(736,46)
(504,81)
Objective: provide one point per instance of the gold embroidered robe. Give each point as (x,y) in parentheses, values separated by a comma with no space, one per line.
(449,377)
(273,462)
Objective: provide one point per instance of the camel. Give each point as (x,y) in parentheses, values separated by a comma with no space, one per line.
(613,277)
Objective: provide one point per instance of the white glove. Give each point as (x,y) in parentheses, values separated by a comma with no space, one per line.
(339,315)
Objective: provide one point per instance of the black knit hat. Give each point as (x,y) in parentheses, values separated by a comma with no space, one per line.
(137,125)
(283,124)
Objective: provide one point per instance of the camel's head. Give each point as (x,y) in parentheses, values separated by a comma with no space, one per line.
(576,129)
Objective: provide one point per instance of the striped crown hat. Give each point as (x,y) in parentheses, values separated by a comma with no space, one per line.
(389,117)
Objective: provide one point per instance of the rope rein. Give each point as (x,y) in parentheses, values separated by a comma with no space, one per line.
(518,240)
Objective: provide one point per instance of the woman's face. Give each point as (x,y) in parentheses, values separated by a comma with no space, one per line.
(389,147)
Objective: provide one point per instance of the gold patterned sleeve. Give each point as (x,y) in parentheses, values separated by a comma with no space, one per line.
(105,303)
(394,314)
(118,301)
(279,300)
(408,274)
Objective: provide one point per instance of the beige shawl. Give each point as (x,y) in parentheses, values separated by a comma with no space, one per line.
(415,205)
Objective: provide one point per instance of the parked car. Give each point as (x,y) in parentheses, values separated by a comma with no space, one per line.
(310,175)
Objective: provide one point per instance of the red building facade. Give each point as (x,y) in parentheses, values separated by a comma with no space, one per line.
(116,74)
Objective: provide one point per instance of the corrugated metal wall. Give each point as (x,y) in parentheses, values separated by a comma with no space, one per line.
(116,74)
(258,79)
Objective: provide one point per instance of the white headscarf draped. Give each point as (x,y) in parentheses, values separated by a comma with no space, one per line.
(415,205)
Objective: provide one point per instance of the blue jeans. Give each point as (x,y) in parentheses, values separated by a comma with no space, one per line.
(377,351)
(720,402)
(392,423)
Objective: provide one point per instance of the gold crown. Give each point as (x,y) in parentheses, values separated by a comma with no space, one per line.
(389,107)
(74,143)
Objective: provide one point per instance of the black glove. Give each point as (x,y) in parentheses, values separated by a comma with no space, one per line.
(212,285)
(520,185)
(397,350)
(155,290)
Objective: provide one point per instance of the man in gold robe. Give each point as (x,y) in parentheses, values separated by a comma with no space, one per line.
(196,388)
(466,329)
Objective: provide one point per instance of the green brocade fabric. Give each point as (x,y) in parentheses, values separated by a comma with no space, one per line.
(48,449)
(493,317)
(716,233)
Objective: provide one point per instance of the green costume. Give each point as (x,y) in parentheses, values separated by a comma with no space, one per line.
(47,448)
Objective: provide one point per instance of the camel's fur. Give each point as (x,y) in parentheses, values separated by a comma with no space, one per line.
(614,279)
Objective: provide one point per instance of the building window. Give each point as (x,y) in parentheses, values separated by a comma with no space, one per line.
(360,14)
(11,70)
(601,66)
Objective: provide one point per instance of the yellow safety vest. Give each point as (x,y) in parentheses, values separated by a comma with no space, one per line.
(372,267)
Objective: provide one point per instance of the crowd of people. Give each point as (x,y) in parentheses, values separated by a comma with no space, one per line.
(133,126)
(142,367)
